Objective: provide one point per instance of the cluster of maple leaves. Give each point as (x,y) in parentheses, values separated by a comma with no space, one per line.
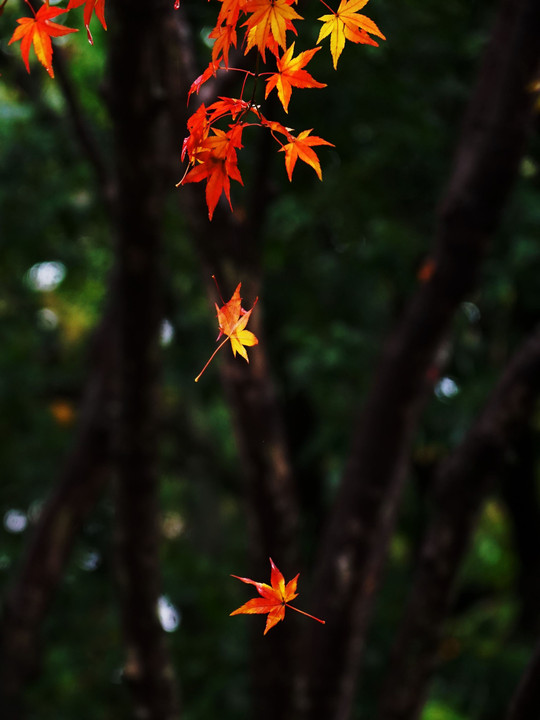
(212,151)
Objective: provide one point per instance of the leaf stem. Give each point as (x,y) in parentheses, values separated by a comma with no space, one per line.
(329,8)
(211,358)
(323,622)
(219,291)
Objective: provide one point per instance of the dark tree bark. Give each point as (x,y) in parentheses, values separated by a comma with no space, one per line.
(462,484)
(496,127)
(136,96)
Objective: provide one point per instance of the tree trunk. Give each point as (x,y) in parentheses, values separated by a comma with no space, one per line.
(136,96)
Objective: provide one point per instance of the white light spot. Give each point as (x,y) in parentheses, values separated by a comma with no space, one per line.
(46,276)
(166,334)
(169,616)
(446,388)
(47,319)
(15,521)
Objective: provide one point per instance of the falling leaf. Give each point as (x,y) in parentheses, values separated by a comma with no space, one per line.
(274,598)
(347,24)
(232,321)
(290,73)
(37,31)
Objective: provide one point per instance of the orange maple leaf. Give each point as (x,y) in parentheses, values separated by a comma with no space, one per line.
(38,31)
(97,6)
(230,11)
(224,36)
(269,22)
(274,598)
(232,321)
(290,73)
(347,24)
(300,147)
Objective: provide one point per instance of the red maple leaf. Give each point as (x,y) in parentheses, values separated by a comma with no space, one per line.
(97,6)
(274,598)
(37,31)
(228,106)
(232,321)
(217,163)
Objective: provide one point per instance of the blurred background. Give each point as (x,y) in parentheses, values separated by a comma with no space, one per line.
(334,264)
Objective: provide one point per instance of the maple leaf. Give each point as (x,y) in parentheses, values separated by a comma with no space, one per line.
(37,31)
(230,11)
(199,128)
(206,75)
(300,147)
(274,598)
(269,21)
(347,24)
(97,6)
(224,36)
(232,321)
(228,106)
(217,162)
(290,73)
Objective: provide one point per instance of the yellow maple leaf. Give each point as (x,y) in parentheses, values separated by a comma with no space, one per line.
(347,24)
(269,21)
